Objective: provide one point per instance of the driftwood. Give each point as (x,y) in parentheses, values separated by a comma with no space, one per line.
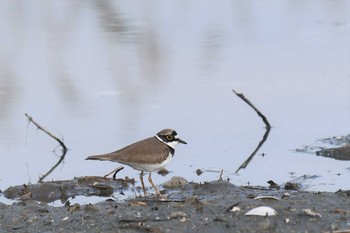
(64,148)
(267,126)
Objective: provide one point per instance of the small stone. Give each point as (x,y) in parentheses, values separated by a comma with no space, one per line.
(73,208)
(251,196)
(291,186)
(178,214)
(163,172)
(91,208)
(311,213)
(235,209)
(175,182)
(273,185)
(199,172)
(192,201)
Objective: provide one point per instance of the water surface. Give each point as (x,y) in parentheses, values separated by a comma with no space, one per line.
(103,74)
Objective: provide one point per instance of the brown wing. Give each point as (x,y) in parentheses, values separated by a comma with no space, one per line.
(149,150)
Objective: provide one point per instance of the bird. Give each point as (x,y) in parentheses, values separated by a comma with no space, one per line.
(147,155)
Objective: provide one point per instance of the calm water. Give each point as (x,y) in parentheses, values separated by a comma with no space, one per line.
(103,74)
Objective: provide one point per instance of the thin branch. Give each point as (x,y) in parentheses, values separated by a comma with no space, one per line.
(118,169)
(46,131)
(221,173)
(268,128)
(64,148)
(240,95)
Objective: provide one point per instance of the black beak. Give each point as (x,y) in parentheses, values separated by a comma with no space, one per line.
(181,141)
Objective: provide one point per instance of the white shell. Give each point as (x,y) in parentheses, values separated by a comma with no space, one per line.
(235,209)
(262,211)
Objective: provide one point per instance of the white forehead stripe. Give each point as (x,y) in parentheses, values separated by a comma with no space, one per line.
(159,138)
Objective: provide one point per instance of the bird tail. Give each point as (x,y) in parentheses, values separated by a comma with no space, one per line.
(98,157)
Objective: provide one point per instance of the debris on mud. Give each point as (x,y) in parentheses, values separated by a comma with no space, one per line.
(216,206)
(51,191)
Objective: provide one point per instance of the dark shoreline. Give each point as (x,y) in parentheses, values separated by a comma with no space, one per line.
(191,208)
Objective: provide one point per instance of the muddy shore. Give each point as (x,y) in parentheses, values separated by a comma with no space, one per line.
(216,206)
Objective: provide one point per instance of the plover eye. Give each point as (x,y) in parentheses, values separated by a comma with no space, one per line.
(169,137)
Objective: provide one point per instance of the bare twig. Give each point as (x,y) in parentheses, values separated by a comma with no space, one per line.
(46,131)
(240,95)
(267,124)
(221,173)
(118,169)
(64,148)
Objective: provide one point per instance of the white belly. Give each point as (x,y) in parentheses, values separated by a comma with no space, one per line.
(150,167)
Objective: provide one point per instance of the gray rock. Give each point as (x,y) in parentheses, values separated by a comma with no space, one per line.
(175,182)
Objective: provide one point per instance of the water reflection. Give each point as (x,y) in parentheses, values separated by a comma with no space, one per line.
(265,136)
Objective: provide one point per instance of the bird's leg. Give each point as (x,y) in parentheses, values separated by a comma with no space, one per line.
(155,188)
(143,184)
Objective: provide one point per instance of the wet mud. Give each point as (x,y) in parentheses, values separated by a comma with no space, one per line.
(216,206)
(334,147)
(62,190)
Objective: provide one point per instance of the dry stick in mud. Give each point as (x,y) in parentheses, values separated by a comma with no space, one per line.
(118,169)
(64,148)
(268,128)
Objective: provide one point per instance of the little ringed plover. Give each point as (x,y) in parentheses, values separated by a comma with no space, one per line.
(147,155)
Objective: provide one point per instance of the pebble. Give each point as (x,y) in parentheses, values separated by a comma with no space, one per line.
(175,182)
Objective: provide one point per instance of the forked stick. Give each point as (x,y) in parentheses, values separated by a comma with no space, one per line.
(64,148)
